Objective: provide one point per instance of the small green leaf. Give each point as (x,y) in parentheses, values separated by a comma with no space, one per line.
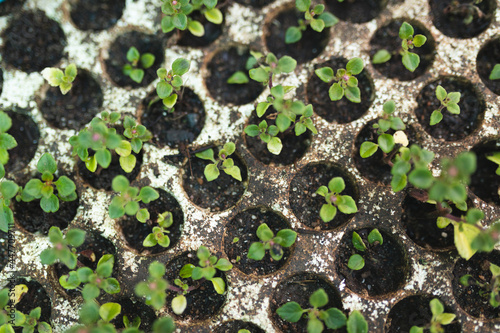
(238,77)
(287,237)
(319,298)
(47,164)
(180,21)
(336,184)
(356,262)
(142,215)
(290,311)
(219,285)
(421,178)
(381,56)
(211,172)
(441,93)
(148,194)
(50,204)
(214,15)
(327,212)
(259,74)
(375,236)
(317,25)
(292,35)
(256,251)
(75,237)
(196,28)
(386,142)
(108,311)
(137,75)
(406,31)
(453,108)
(495,73)
(207,154)
(336,92)
(325,74)
(419,40)
(436,117)
(357,242)
(357,323)
(133,54)
(163,89)
(355,66)
(353,94)
(147,60)
(437,307)
(264,233)
(127,163)
(179,304)
(181,66)
(274,146)
(333,318)
(329,19)
(286,64)
(411,61)
(367,149)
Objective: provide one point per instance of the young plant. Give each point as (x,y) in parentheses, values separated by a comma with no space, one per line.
(439,319)
(284,239)
(99,137)
(334,200)
(96,318)
(317,18)
(154,289)
(289,115)
(345,81)
(45,188)
(137,64)
(57,78)
(318,318)
(177,15)
(466,9)
(128,199)
(224,162)
(31,322)
(93,282)
(7,141)
(490,289)
(60,249)
(171,82)
(356,261)
(160,234)
(410,60)
(448,101)
(268,67)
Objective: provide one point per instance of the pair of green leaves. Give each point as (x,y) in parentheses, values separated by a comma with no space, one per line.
(94,281)
(224,162)
(410,60)
(332,318)
(171,81)
(356,261)
(334,200)
(284,239)
(44,189)
(439,318)
(345,81)
(160,234)
(58,78)
(137,64)
(60,249)
(317,18)
(448,101)
(177,15)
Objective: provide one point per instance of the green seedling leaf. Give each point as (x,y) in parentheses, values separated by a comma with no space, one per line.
(238,77)
(211,172)
(419,40)
(219,285)
(195,28)
(411,61)
(147,60)
(290,311)
(287,64)
(381,56)
(357,323)
(356,262)
(327,212)
(257,251)
(495,73)
(367,149)
(406,31)
(357,242)
(214,15)
(137,75)
(436,117)
(336,92)
(179,304)
(375,236)
(109,311)
(292,35)
(319,298)
(355,66)
(181,66)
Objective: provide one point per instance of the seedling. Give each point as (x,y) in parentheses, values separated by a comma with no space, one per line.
(495,158)
(345,81)
(101,138)
(44,189)
(171,82)
(58,78)
(95,318)
(489,288)
(224,162)
(63,248)
(317,318)
(468,10)
(334,200)
(289,115)
(94,281)
(495,73)
(137,64)
(8,190)
(385,141)
(439,319)
(410,60)
(7,141)
(284,239)
(154,288)
(160,234)
(128,199)
(177,15)
(448,101)
(356,261)
(317,18)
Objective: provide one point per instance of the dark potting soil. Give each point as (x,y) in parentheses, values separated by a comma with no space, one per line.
(88,255)
(415,311)
(307,48)
(96,14)
(171,128)
(356,11)
(452,127)
(387,37)
(10,6)
(75,109)
(220,68)
(294,147)
(36,296)
(234,326)
(116,57)
(136,232)
(449,15)
(132,309)
(469,298)
(485,183)
(4,249)
(26,133)
(487,58)
(419,219)
(298,288)
(306,204)
(342,111)
(244,226)
(254,3)
(217,195)
(202,302)
(32,33)
(33,219)
(212,32)
(386,265)
(102,178)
